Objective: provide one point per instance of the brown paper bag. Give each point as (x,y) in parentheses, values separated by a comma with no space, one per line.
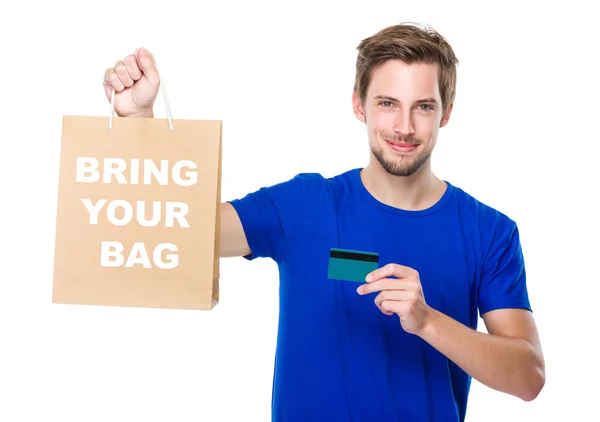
(138,213)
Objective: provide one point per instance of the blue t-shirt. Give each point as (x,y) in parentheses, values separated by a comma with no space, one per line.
(338,357)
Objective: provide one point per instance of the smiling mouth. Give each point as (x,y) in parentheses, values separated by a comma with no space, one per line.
(401,146)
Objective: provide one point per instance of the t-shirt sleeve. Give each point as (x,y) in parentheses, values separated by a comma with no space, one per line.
(269,215)
(503,281)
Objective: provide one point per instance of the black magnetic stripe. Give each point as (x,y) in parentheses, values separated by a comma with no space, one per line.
(354,256)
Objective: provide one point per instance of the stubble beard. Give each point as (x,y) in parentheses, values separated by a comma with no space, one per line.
(400,167)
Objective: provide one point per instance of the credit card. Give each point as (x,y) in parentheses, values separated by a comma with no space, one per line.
(350,265)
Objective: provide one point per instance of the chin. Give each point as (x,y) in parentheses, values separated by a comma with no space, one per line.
(400,164)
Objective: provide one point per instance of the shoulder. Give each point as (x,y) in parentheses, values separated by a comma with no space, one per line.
(501,277)
(303,195)
(297,189)
(483,214)
(497,232)
(309,187)
(320,181)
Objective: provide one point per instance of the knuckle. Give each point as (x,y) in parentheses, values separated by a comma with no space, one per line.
(115,82)
(388,284)
(120,69)
(130,60)
(414,285)
(131,65)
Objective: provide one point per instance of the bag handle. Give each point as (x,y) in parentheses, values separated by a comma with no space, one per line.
(164,95)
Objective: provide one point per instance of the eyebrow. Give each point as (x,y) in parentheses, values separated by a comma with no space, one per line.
(422,101)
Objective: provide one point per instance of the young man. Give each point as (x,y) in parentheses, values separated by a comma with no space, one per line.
(403,346)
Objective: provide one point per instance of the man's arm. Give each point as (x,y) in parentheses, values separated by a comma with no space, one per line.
(508,359)
(136,81)
(233,237)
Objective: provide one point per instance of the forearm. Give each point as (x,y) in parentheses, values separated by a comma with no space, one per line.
(510,365)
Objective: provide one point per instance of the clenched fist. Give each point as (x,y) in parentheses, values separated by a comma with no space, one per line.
(136,82)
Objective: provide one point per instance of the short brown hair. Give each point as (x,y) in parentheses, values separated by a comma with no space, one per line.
(410,43)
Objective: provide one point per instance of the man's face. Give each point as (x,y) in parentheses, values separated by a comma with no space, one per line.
(403,114)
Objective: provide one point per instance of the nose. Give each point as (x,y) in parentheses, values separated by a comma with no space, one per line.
(403,123)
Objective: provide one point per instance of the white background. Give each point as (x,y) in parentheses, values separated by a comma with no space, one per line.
(522,138)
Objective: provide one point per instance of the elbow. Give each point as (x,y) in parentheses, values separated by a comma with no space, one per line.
(534,384)
(533,391)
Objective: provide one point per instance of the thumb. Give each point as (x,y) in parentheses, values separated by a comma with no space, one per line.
(147,65)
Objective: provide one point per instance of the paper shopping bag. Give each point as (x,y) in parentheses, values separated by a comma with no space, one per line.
(138,213)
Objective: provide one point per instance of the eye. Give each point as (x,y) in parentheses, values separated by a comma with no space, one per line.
(425,107)
(386,103)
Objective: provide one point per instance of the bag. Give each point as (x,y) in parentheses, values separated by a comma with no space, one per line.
(138,212)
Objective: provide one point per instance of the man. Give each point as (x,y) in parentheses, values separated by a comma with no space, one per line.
(402,346)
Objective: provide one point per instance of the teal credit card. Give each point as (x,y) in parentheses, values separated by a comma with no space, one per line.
(350,265)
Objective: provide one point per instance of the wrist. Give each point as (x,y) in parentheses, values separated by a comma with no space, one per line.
(429,326)
(142,114)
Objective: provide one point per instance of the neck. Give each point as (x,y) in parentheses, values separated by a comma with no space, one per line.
(417,192)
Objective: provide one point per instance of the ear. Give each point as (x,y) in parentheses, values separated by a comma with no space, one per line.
(359,111)
(446,116)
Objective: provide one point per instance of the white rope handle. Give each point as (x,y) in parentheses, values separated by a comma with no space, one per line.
(164,94)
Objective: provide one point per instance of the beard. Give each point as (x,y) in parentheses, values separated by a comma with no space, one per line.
(401,168)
